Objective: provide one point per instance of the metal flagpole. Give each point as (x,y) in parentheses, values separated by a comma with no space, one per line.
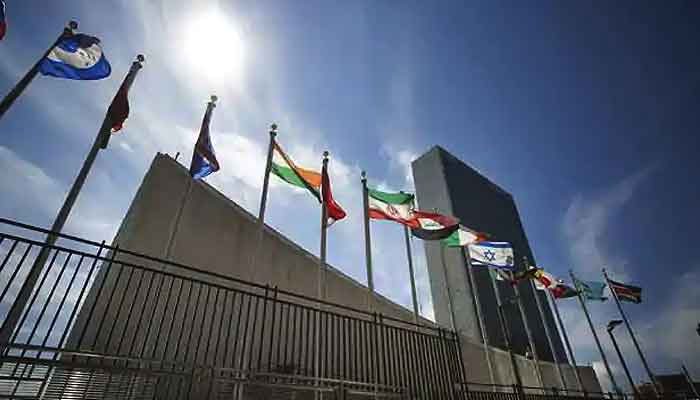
(506,333)
(318,366)
(368,244)
(266,179)
(16,91)
(324,229)
(634,339)
(566,340)
(263,197)
(414,295)
(480,316)
(523,316)
(690,382)
(595,336)
(29,285)
(622,359)
(555,356)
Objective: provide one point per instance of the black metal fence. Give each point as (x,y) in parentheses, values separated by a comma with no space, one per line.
(109,323)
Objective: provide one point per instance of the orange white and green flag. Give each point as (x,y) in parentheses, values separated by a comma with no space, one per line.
(284,168)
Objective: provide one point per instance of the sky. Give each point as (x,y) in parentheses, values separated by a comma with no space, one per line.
(584,111)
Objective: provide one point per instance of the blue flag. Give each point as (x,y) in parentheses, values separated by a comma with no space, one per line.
(77,57)
(204,160)
(591,290)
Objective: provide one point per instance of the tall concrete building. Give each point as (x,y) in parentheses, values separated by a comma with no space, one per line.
(447,184)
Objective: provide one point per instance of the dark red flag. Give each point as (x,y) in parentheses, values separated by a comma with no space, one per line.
(334,210)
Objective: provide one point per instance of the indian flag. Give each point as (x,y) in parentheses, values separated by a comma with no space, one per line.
(391,206)
(463,237)
(284,168)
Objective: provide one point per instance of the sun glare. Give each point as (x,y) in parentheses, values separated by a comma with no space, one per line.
(213,46)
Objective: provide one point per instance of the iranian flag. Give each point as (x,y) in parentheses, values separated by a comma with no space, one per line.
(284,168)
(396,207)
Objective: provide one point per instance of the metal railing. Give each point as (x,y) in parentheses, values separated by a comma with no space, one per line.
(104,322)
(108,323)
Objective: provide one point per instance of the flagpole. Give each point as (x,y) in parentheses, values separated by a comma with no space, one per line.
(368,243)
(566,340)
(506,333)
(263,197)
(595,336)
(414,294)
(318,360)
(324,228)
(477,303)
(29,285)
(690,381)
(622,361)
(555,356)
(523,316)
(634,339)
(16,91)
(266,179)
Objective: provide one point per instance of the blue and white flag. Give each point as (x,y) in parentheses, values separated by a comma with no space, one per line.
(492,254)
(77,57)
(204,160)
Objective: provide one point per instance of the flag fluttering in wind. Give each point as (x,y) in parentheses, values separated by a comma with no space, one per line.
(204,160)
(334,211)
(545,279)
(396,207)
(492,254)
(525,274)
(591,290)
(284,168)
(432,226)
(77,57)
(625,292)
(118,110)
(563,291)
(3,22)
(463,237)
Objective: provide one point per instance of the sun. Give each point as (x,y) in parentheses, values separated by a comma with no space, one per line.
(213,46)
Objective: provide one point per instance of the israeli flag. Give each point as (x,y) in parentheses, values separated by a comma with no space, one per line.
(492,254)
(77,57)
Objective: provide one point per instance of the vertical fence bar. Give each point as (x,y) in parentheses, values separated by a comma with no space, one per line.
(17,268)
(153,315)
(44,307)
(46,273)
(262,329)
(228,330)
(98,297)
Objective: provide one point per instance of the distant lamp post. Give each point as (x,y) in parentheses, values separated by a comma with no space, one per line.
(611,325)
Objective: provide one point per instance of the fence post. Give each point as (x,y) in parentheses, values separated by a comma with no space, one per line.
(262,325)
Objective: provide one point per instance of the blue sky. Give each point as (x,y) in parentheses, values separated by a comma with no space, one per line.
(586,112)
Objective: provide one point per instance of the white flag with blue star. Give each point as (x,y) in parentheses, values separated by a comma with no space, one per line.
(492,254)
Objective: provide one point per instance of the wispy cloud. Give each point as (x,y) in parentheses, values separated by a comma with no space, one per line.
(587,220)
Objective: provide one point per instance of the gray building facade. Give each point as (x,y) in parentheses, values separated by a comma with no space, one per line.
(447,184)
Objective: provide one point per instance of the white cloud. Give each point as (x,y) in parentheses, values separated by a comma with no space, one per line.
(586,221)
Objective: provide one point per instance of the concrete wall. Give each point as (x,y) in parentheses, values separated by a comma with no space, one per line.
(447,184)
(185,221)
